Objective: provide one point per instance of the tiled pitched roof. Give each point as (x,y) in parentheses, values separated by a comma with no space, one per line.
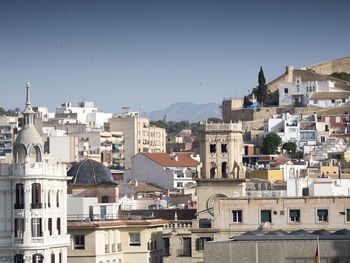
(329,95)
(183,159)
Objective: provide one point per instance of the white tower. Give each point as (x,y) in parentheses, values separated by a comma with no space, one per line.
(33,197)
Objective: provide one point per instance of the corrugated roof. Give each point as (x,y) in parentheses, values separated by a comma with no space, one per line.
(329,95)
(183,159)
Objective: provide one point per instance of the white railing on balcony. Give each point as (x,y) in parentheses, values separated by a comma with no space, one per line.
(267,193)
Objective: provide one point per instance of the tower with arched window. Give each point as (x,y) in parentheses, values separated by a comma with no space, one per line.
(33,200)
(221,151)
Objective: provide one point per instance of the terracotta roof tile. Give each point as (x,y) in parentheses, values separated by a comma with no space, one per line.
(183,159)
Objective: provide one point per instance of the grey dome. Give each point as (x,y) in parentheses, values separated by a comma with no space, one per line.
(29,135)
(90,172)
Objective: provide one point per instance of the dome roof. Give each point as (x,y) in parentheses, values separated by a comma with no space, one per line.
(29,135)
(90,172)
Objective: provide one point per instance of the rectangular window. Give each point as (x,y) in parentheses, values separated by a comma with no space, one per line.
(266,216)
(294,216)
(337,119)
(52,258)
(36,196)
(315,101)
(79,242)
(36,227)
(58,225)
(19,196)
(58,198)
(333,101)
(348,215)
(322,215)
(285,91)
(179,184)
(60,257)
(19,227)
(49,199)
(49,225)
(201,241)
(237,216)
(134,239)
(187,247)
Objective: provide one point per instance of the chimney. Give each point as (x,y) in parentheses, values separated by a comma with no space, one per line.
(289,72)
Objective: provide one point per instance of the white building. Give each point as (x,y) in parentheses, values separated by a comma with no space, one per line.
(33,218)
(304,130)
(86,113)
(163,170)
(306,186)
(318,93)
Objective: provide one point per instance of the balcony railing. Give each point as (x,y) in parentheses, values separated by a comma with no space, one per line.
(18,240)
(93,217)
(37,240)
(19,206)
(36,205)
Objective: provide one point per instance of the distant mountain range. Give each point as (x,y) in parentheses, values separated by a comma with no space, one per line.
(187,111)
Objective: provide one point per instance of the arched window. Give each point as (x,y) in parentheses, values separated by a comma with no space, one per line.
(19,258)
(19,196)
(38,258)
(224,169)
(35,154)
(36,196)
(19,153)
(212,170)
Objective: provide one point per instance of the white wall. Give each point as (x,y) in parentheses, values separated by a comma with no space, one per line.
(145,170)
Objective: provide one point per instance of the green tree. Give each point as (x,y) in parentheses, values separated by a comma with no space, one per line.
(261,91)
(246,102)
(214,120)
(341,75)
(290,147)
(271,143)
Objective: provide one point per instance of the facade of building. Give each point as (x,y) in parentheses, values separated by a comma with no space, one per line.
(64,148)
(120,241)
(168,171)
(33,223)
(139,135)
(7,130)
(280,246)
(317,93)
(103,146)
(84,113)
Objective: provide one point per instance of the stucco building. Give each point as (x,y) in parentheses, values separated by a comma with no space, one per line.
(139,135)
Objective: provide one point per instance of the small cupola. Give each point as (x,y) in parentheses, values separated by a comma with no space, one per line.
(28,146)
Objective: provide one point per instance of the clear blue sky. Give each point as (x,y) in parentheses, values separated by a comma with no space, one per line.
(150,54)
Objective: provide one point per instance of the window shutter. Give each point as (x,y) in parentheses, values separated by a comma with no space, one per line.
(348,215)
